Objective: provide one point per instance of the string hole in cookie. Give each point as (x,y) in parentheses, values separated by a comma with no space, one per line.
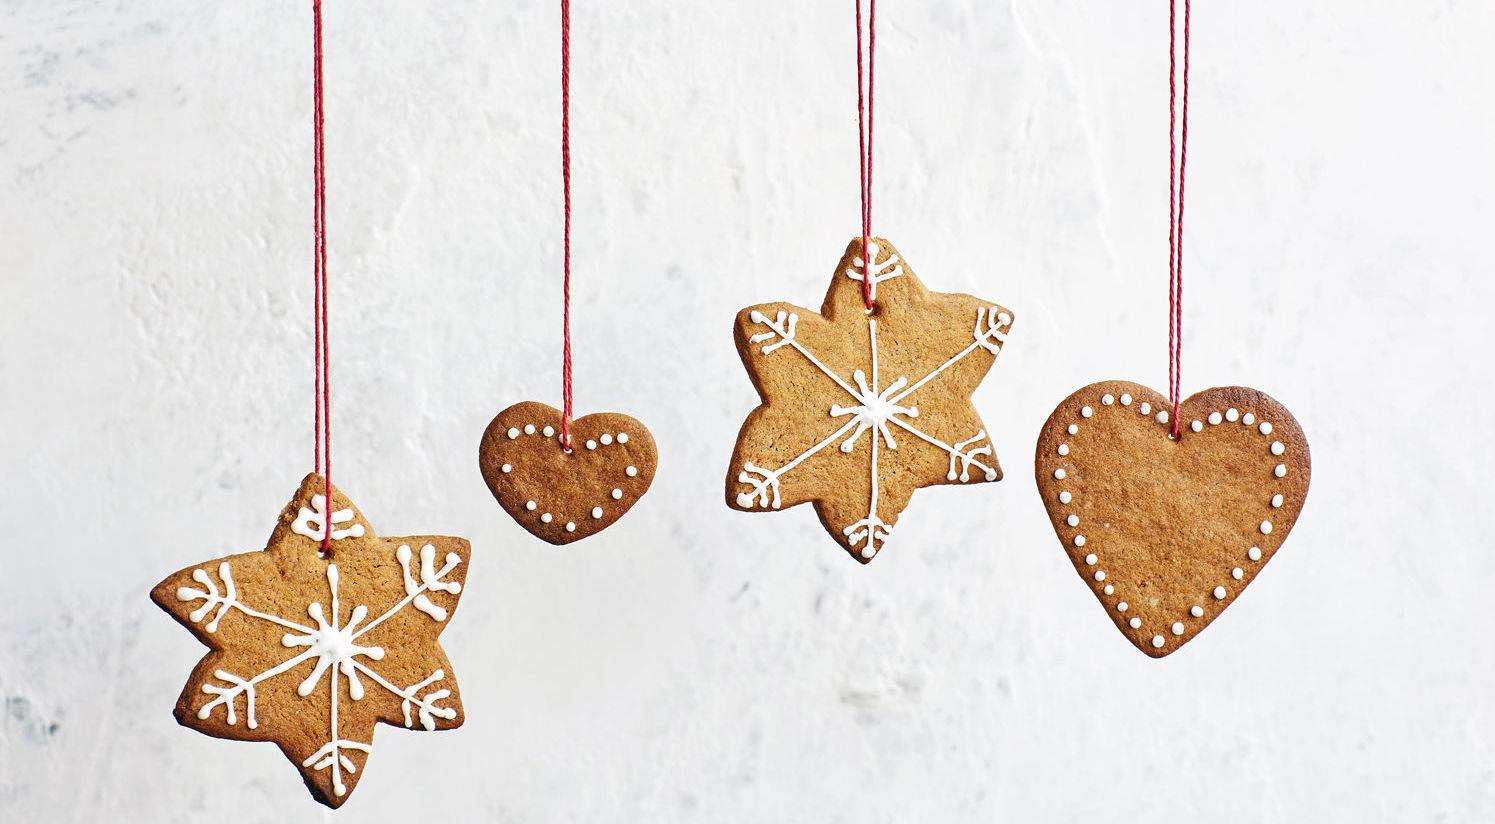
(873,311)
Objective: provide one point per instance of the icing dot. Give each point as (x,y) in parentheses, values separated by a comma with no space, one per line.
(1065,497)
(1109,590)
(1063,449)
(1073,520)
(1254,553)
(1214,419)
(1266,527)
(1197,426)
(1145,408)
(507,468)
(1073,429)
(617,494)
(1126,400)
(1237,573)
(1100,575)
(1086,411)
(606,439)
(1197,611)
(1079,540)
(1157,641)
(596,512)
(1278,448)
(1280,471)
(1163,416)
(1178,629)
(631,471)
(1248,419)
(529,429)
(547,518)
(1219,593)
(513,432)
(868,551)
(1135,623)
(1107,399)
(530,505)
(1276,501)
(1090,559)
(1232,414)
(1059,474)
(1265,428)
(570,526)
(548,431)
(622,437)
(591,444)
(1121,607)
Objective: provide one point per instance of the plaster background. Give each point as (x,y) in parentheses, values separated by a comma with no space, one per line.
(695,663)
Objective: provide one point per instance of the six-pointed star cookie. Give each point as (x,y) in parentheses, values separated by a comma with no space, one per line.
(861,408)
(310,651)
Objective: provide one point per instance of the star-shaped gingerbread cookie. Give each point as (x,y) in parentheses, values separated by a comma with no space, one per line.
(310,652)
(860,407)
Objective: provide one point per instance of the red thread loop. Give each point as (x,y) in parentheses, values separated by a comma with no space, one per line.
(865,108)
(1178,161)
(322,420)
(566,232)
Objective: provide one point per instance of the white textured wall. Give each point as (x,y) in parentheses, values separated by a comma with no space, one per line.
(694,663)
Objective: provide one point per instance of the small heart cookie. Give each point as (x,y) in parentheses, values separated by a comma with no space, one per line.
(1167,533)
(561,497)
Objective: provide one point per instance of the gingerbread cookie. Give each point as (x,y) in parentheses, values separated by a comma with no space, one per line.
(1168,533)
(861,408)
(310,652)
(562,496)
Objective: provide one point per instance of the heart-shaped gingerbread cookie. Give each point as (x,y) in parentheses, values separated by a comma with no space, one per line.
(558,496)
(1167,533)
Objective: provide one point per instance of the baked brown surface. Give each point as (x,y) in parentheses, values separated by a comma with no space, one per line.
(562,497)
(914,362)
(1165,529)
(259,614)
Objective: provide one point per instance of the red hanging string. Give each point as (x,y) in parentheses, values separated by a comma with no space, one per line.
(566,233)
(322,422)
(1178,161)
(865,101)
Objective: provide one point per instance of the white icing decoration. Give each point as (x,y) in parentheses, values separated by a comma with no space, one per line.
(887,270)
(631,471)
(868,551)
(1163,416)
(1277,501)
(529,429)
(1254,553)
(1126,400)
(622,437)
(1215,418)
(531,505)
(1074,429)
(1278,448)
(1100,575)
(1107,399)
(964,454)
(1248,419)
(1237,573)
(1121,607)
(1196,611)
(1266,527)
(1108,589)
(1086,411)
(1059,474)
(1091,559)
(513,432)
(1073,520)
(1280,470)
(1231,414)
(1063,449)
(1079,540)
(570,526)
(507,468)
(596,512)
(1197,426)
(1145,408)
(1265,428)
(546,518)
(332,648)
(1157,641)
(312,522)
(1065,497)
(606,439)
(591,444)
(1219,593)
(1178,629)
(617,494)
(1135,622)
(548,431)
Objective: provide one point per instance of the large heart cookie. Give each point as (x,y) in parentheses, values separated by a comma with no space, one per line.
(558,496)
(1168,533)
